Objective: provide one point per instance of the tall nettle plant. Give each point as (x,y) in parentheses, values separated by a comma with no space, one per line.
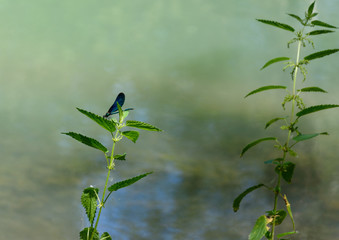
(284,163)
(90,198)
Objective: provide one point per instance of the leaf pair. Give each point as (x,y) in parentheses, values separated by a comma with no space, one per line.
(90,199)
(110,125)
(298,138)
(309,15)
(308,58)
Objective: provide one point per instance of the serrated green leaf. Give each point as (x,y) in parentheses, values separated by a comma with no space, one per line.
(125,183)
(303,137)
(89,202)
(315,109)
(296,17)
(260,228)
(86,233)
(322,24)
(277,24)
(120,157)
(313,15)
(310,9)
(279,216)
(252,144)
(87,140)
(286,170)
(318,32)
(279,236)
(131,135)
(236,202)
(105,236)
(320,54)
(312,89)
(265,88)
(269,123)
(275,60)
(109,125)
(142,125)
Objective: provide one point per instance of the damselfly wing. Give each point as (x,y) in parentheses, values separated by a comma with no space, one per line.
(114,108)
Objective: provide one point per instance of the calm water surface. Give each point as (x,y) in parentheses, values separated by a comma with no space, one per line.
(185,67)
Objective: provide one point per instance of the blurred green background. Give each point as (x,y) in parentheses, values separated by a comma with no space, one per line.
(185,66)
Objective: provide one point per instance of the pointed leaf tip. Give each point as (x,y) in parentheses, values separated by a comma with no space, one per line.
(315,108)
(310,9)
(318,32)
(269,123)
(320,54)
(265,88)
(237,201)
(322,24)
(252,144)
(87,141)
(131,135)
(125,183)
(277,24)
(312,89)
(279,236)
(121,157)
(303,137)
(142,125)
(296,17)
(274,60)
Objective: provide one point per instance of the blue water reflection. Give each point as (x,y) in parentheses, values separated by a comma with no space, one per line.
(185,67)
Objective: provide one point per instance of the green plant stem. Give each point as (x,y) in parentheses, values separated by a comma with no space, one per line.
(294,84)
(276,194)
(110,168)
(277,188)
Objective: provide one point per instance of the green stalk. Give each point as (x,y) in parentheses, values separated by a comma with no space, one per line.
(277,188)
(110,167)
(276,194)
(294,84)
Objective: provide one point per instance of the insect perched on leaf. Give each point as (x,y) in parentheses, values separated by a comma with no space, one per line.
(114,108)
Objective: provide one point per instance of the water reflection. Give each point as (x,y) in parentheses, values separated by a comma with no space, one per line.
(185,67)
